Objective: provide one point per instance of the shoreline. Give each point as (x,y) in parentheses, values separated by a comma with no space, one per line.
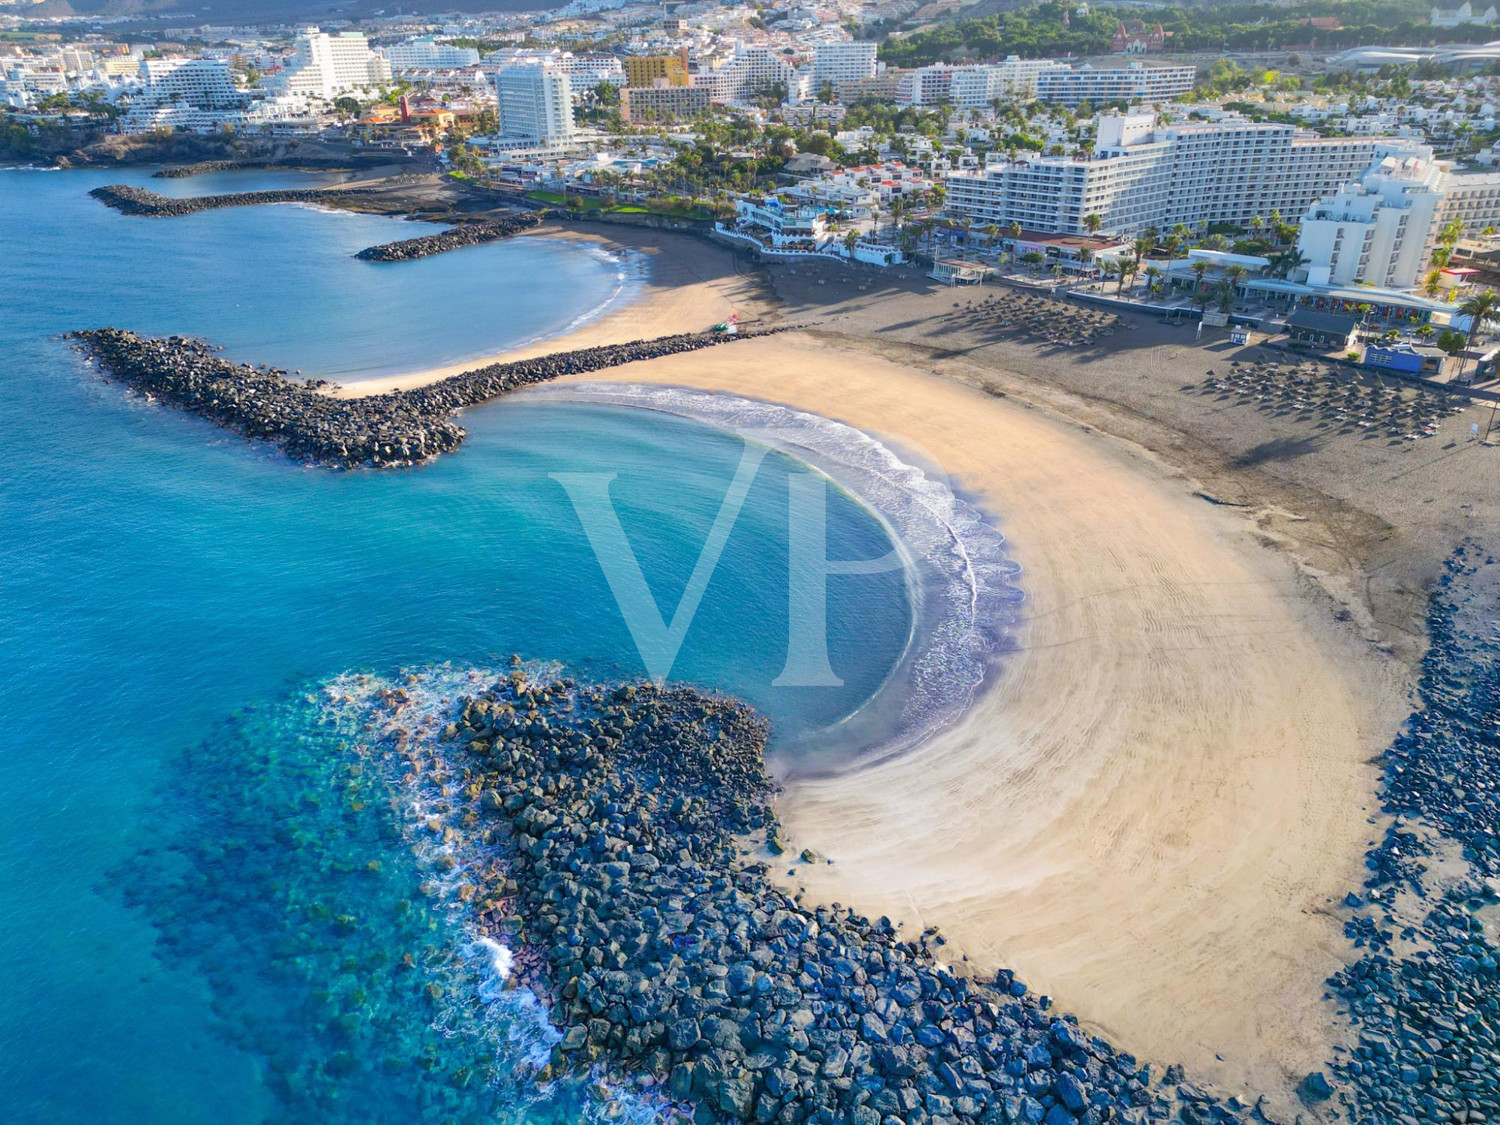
(1175,901)
(688,286)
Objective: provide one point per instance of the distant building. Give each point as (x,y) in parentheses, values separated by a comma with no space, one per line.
(639,104)
(842,62)
(535,106)
(1464,13)
(426,53)
(1133,37)
(648,70)
(750,72)
(1136,82)
(974,87)
(326,66)
(1472,198)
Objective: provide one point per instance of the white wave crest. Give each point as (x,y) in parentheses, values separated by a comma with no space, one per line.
(967,593)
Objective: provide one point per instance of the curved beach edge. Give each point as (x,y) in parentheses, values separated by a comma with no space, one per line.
(1166,782)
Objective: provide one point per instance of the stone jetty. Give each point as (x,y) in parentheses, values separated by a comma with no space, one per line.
(130,200)
(638,829)
(465,234)
(378,431)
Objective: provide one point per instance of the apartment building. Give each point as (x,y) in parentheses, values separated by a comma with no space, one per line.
(1142,175)
(745,74)
(651,70)
(842,62)
(974,87)
(426,53)
(326,66)
(1472,198)
(1136,82)
(640,104)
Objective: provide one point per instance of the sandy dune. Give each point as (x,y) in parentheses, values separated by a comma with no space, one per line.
(1148,812)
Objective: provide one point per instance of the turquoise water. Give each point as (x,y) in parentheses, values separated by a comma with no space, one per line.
(158,576)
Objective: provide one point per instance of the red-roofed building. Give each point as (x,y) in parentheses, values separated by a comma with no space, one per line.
(1133,37)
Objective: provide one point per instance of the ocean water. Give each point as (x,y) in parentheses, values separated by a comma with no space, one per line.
(210,905)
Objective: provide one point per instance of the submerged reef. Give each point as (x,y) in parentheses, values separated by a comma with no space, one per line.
(1425,994)
(312,426)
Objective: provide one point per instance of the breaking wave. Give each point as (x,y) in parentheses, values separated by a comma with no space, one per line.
(965,592)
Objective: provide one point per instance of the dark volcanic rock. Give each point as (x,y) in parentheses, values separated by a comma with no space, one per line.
(628,819)
(399,428)
(467,234)
(138,201)
(1425,994)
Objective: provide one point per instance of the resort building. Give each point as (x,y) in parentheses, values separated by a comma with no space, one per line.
(1472,198)
(1136,82)
(582,70)
(975,87)
(535,106)
(649,70)
(326,66)
(426,53)
(1142,175)
(1376,230)
(640,104)
(748,73)
(842,62)
(927,85)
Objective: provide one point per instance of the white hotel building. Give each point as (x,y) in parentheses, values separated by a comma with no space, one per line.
(426,53)
(535,107)
(1136,82)
(1378,229)
(1141,176)
(842,62)
(326,66)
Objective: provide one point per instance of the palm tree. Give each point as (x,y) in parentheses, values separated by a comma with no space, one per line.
(1234,277)
(1153,274)
(1199,268)
(1479,308)
(1092,223)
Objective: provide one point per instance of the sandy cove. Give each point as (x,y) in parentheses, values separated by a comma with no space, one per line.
(1150,811)
(688,287)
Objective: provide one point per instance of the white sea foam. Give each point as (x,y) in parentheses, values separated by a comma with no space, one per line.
(966,597)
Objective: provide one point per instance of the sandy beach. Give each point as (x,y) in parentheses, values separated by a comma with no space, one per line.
(1148,813)
(1167,784)
(688,287)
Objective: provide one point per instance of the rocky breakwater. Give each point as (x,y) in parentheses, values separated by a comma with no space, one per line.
(1425,994)
(636,825)
(454,238)
(130,200)
(309,425)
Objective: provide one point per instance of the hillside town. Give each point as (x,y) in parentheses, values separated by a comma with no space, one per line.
(1238,187)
